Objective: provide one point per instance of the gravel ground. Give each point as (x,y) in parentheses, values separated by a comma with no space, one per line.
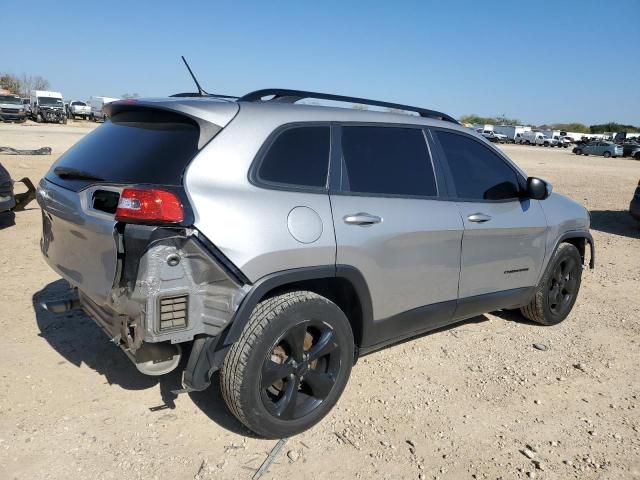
(474,401)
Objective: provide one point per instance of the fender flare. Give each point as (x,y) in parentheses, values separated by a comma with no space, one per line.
(208,353)
(578,234)
(278,279)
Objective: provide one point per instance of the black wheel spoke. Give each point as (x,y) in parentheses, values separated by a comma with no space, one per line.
(320,384)
(286,407)
(324,346)
(570,286)
(569,267)
(272,372)
(557,274)
(295,341)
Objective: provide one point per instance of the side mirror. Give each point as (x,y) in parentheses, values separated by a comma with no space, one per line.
(538,189)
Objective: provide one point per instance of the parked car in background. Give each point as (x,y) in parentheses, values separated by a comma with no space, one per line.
(78,109)
(12,109)
(492,136)
(26,103)
(47,106)
(513,132)
(634,206)
(606,149)
(562,142)
(537,138)
(97,105)
(631,149)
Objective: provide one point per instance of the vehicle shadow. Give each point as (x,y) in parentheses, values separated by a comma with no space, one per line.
(76,337)
(616,222)
(515,316)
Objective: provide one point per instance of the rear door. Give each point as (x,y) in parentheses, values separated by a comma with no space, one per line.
(392,223)
(504,235)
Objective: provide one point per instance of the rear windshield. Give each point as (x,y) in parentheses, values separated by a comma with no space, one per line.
(132,147)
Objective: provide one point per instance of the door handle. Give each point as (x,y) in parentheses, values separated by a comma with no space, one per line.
(478,218)
(362,219)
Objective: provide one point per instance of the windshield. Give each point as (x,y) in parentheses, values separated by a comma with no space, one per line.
(80,104)
(50,101)
(10,99)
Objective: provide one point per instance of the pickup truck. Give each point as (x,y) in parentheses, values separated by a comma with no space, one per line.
(493,136)
(78,109)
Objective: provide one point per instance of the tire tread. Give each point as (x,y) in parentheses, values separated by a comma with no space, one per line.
(235,364)
(534,310)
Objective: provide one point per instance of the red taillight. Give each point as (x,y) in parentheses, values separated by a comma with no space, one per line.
(151,205)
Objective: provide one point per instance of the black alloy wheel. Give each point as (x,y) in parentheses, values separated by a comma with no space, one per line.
(290,365)
(563,286)
(300,370)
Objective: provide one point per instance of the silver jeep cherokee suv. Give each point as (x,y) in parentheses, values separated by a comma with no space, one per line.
(279,242)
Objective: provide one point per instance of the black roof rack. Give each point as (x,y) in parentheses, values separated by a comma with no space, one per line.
(205,94)
(291,96)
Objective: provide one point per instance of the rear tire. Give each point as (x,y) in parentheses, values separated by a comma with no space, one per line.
(290,364)
(558,289)
(578,151)
(606,154)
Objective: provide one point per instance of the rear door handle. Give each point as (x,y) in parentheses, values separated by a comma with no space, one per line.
(478,218)
(362,219)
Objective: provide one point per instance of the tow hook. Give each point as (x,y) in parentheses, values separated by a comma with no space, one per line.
(62,306)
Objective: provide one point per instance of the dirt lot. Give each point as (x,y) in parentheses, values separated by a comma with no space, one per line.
(475,401)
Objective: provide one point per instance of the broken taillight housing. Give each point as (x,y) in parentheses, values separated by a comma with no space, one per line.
(149,205)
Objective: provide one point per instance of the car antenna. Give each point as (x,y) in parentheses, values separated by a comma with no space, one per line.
(201,91)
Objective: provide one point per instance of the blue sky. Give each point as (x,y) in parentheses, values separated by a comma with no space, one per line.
(536,61)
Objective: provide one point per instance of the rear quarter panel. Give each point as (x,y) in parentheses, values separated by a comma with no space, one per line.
(249,224)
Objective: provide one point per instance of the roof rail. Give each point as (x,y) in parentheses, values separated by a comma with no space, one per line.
(197,94)
(291,96)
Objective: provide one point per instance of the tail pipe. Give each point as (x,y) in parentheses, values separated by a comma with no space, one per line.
(62,306)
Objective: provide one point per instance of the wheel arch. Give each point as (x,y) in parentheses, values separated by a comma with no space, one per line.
(342,284)
(580,240)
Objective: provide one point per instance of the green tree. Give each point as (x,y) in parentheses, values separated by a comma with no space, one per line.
(497,120)
(571,127)
(613,127)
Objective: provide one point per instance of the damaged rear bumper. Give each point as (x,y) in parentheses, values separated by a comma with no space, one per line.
(171,286)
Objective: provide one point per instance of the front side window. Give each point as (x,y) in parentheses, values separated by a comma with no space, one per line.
(387,160)
(478,173)
(299,156)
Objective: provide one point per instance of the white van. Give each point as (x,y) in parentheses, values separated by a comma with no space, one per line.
(536,138)
(97,104)
(47,106)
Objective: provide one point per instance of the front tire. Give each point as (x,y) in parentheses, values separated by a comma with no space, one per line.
(290,365)
(606,154)
(558,289)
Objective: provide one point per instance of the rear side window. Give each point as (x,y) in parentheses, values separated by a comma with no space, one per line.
(133,147)
(387,160)
(478,173)
(299,156)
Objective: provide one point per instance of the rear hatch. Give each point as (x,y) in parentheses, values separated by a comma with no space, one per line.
(145,143)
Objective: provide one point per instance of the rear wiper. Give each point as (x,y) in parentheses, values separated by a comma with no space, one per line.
(75,174)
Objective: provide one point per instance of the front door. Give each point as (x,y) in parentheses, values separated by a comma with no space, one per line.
(503,245)
(391,224)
